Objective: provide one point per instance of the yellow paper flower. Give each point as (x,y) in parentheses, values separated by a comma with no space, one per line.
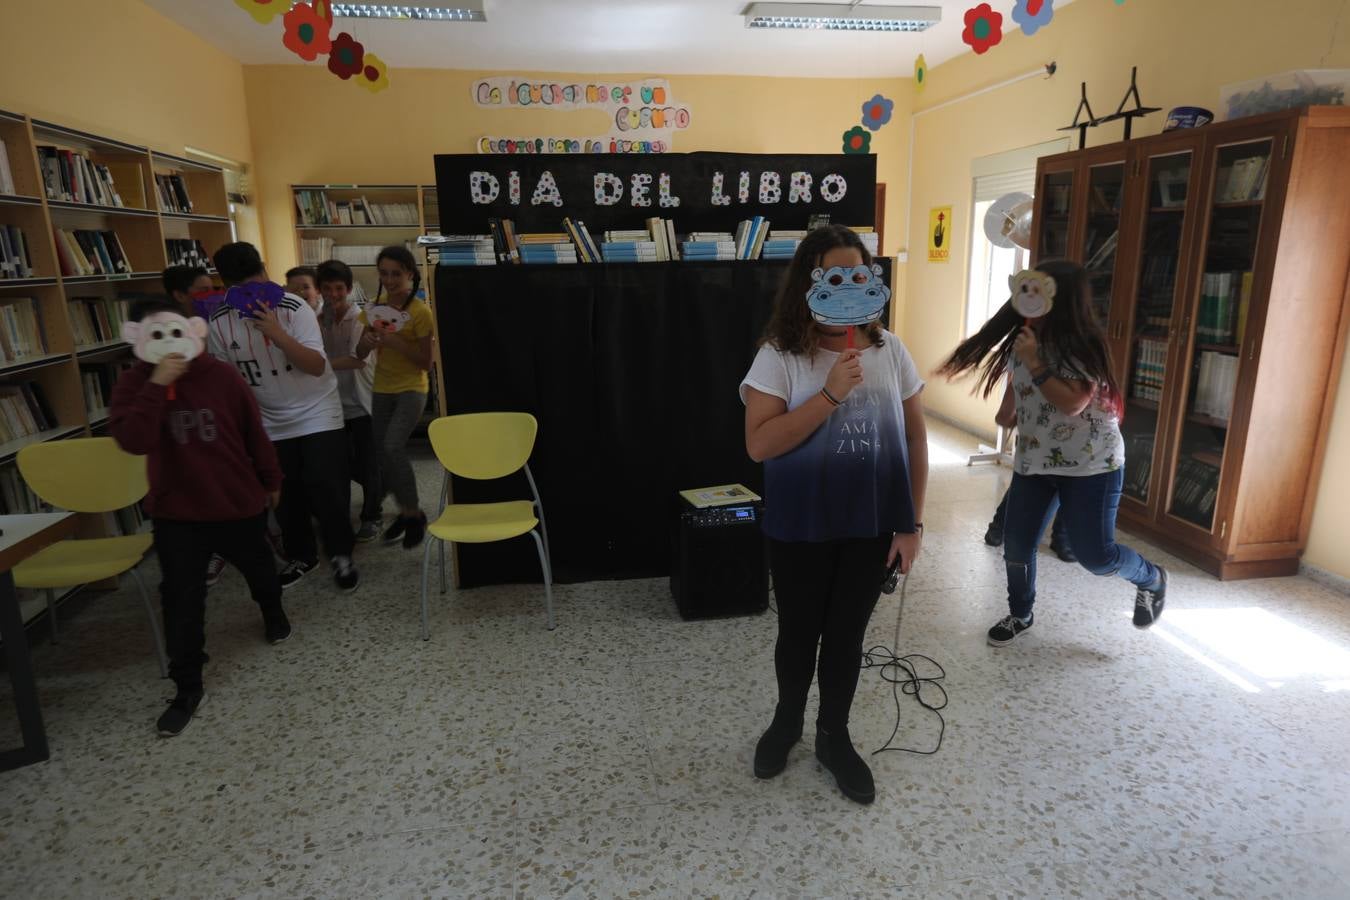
(374,75)
(263,11)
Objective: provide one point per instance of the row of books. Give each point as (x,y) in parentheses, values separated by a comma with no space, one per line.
(1150,369)
(781,244)
(173,193)
(73,177)
(1215,385)
(96,320)
(1224,301)
(316,208)
(23,411)
(16,259)
(462,249)
(656,243)
(22,335)
(1244,180)
(88,252)
(1138,463)
(1197,488)
(98,383)
(186,252)
(6,173)
(16,497)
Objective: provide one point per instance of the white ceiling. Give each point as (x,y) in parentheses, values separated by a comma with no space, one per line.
(631,36)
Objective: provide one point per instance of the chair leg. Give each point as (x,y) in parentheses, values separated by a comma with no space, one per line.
(426,573)
(548,577)
(154,626)
(443,582)
(51,613)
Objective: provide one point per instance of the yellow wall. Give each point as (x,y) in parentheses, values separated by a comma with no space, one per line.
(310,127)
(1185,52)
(119,69)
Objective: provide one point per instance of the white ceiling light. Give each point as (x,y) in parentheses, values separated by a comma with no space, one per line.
(841,16)
(461,11)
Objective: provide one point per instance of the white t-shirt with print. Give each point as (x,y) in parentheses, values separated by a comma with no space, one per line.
(293,404)
(339,340)
(1052,443)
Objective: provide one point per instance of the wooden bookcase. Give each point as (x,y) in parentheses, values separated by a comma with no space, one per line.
(1219,260)
(142,227)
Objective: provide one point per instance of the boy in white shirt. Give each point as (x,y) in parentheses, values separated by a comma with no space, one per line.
(276,345)
(356,377)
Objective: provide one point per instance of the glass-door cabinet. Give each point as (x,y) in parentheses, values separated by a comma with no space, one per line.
(1215,326)
(1101,231)
(1054,212)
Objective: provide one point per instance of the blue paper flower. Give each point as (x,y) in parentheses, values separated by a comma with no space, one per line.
(1033,15)
(877,112)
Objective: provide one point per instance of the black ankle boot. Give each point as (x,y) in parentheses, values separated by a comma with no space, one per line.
(835,752)
(771,752)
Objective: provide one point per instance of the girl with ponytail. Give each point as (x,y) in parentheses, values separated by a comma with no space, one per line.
(398,324)
(1068,410)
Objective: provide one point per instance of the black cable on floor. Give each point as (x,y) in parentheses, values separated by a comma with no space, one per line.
(903,674)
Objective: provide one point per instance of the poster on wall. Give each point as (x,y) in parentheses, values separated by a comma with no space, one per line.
(700,191)
(644,115)
(939,234)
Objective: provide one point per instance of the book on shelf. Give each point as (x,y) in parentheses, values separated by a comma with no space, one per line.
(1197,487)
(708,249)
(16,260)
(87,252)
(1104,253)
(1243,180)
(1215,385)
(1224,298)
(817,220)
(6,173)
(97,320)
(1150,369)
(186,252)
(173,194)
(1138,463)
(315,207)
(24,411)
(16,497)
(23,334)
(97,383)
(463,250)
(72,177)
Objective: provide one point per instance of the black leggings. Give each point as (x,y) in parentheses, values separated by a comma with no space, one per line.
(826,593)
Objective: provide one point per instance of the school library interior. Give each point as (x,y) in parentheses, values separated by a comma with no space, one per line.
(515,448)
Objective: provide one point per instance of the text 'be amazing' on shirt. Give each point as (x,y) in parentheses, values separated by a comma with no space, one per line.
(850,478)
(293,404)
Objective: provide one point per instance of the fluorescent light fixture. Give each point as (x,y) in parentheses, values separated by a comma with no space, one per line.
(461,11)
(841,17)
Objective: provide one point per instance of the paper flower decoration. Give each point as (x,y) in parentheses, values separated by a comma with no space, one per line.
(1033,15)
(877,112)
(374,75)
(347,57)
(857,140)
(920,72)
(306,32)
(263,11)
(984,28)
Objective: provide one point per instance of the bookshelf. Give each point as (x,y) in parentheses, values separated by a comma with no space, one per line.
(1225,305)
(101,198)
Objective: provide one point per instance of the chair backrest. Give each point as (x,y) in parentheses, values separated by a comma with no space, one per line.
(483,445)
(90,475)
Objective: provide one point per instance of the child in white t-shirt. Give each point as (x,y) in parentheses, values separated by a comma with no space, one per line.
(341,327)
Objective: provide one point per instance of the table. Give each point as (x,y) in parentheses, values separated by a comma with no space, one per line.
(23,536)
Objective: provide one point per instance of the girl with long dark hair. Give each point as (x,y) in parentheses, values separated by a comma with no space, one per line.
(1068,442)
(400,392)
(840,431)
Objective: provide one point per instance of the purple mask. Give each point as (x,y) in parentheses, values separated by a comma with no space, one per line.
(247,296)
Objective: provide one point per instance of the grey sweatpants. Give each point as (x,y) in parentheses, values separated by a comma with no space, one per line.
(394,417)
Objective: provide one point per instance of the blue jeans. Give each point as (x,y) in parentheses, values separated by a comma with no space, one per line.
(1087,506)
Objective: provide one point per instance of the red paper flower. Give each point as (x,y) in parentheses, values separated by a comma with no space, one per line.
(857,140)
(347,57)
(306,32)
(984,28)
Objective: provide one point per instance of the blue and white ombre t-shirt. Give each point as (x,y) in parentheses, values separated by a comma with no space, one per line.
(850,478)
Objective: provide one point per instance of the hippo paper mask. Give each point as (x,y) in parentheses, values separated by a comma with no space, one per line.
(162,333)
(247,296)
(386,319)
(1033,293)
(853,295)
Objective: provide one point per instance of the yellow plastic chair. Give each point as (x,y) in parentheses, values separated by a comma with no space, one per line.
(86,475)
(484,446)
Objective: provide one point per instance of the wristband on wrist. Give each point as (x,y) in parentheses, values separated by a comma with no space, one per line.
(824,392)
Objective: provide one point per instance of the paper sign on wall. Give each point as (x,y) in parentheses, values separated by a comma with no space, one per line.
(939,234)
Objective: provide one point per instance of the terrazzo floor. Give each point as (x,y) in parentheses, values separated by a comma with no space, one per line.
(1209,757)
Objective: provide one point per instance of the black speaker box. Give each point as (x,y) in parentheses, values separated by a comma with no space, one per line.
(720,565)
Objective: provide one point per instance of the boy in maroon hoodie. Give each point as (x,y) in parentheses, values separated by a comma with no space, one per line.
(213,473)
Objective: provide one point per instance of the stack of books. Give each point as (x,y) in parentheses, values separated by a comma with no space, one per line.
(581,237)
(631,246)
(73,178)
(21,333)
(1224,301)
(1150,369)
(96,320)
(16,497)
(1216,385)
(458,249)
(1244,180)
(6,174)
(782,244)
(187,252)
(548,248)
(16,260)
(173,195)
(84,252)
(703,245)
(23,411)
